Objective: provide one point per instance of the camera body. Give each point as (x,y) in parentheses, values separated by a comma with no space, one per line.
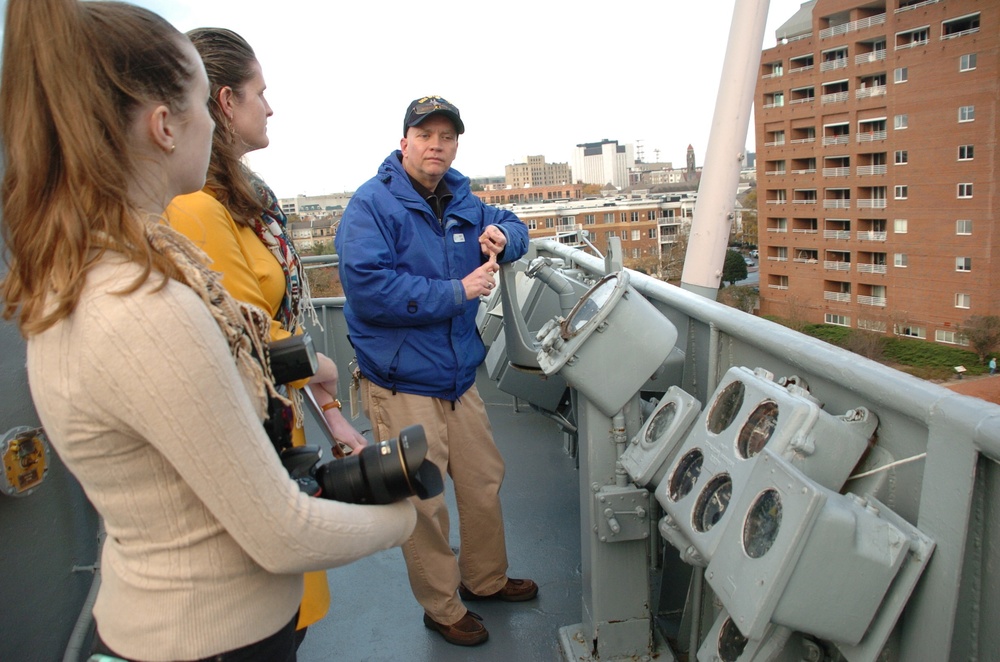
(378,474)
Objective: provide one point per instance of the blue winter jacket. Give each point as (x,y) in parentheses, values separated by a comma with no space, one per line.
(409,321)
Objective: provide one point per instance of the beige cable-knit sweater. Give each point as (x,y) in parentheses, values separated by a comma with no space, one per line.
(207,536)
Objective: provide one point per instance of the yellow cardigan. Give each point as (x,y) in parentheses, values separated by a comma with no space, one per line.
(250,273)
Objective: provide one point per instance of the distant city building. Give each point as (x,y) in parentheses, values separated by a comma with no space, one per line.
(314,204)
(536,172)
(876,128)
(601,163)
(496,195)
(648,225)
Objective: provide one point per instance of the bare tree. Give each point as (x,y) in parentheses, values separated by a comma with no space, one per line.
(741,297)
(983,334)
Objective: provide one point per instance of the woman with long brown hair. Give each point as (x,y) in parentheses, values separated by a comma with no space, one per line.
(151,381)
(237,221)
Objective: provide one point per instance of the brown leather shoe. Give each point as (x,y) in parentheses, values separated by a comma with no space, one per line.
(468,631)
(515,590)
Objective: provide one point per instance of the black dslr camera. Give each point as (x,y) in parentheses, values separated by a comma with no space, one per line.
(381,473)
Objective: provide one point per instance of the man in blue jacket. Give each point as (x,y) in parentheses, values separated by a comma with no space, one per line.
(417,250)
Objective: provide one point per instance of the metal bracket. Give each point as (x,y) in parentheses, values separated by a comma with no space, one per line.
(622,514)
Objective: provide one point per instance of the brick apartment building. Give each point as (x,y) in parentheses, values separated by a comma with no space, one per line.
(876,137)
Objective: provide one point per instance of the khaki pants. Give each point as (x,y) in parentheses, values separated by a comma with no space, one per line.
(460,443)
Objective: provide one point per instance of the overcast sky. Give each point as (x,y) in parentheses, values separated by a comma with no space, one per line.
(529,76)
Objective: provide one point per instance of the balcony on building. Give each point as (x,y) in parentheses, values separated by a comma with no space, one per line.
(836,166)
(804,196)
(870,86)
(777,225)
(835,290)
(772,69)
(777,196)
(836,91)
(870,130)
(837,198)
(872,197)
(837,228)
(805,225)
(868,51)
(870,262)
(777,254)
(841,23)
(806,256)
(837,260)
(872,295)
(800,63)
(872,229)
(774,168)
(872,163)
(805,94)
(804,166)
(803,135)
(838,133)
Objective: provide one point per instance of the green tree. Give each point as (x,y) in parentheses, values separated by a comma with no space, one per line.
(983,334)
(735,268)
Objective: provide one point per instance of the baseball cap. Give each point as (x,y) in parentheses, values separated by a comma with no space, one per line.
(422,108)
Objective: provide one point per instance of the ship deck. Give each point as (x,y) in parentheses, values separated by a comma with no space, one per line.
(373,615)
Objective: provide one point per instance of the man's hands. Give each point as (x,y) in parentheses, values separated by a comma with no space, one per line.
(481,281)
(492,241)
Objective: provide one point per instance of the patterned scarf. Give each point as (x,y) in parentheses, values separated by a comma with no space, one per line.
(244,327)
(272,228)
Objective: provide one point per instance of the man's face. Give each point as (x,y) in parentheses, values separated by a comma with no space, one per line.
(429,149)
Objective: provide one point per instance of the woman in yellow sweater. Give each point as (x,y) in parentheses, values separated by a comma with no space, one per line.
(237,221)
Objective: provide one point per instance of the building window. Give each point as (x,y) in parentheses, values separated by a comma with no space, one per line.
(911,331)
(636,252)
(899,260)
(635,217)
(900,122)
(900,75)
(532,224)
(837,320)
(965,152)
(608,234)
(963,301)
(950,337)
(636,235)
(588,219)
(622,217)
(550,222)
(651,233)
(965,190)
(624,235)
(902,157)
(963,264)
(967,62)
(967,114)
(963,227)
(651,215)
(902,191)
(899,226)
(609,217)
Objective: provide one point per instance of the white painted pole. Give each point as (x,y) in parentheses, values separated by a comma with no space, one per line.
(713,212)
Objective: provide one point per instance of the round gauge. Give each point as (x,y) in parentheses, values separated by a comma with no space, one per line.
(758,429)
(685,475)
(712,502)
(762,523)
(591,303)
(731,642)
(725,407)
(661,422)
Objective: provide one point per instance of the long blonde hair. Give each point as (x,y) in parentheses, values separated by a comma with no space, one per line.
(73,75)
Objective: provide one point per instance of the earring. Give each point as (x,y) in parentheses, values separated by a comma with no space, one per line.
(172,148)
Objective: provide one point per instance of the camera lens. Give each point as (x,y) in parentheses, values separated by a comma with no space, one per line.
(384,472)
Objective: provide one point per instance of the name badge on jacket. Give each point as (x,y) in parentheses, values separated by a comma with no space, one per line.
(459,238)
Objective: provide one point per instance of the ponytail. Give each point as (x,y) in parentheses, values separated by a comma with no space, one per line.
(72,76)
